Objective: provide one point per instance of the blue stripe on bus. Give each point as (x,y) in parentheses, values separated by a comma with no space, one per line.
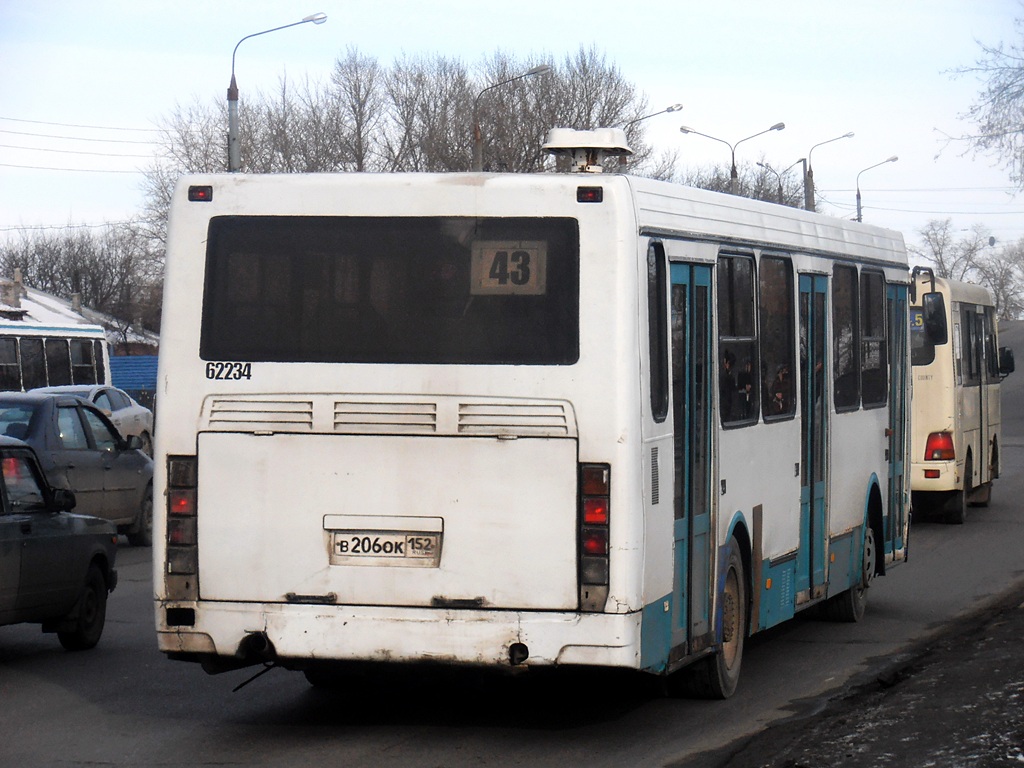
(63,330)
(656,635)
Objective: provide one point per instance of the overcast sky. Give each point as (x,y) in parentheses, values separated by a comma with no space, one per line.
(879,68)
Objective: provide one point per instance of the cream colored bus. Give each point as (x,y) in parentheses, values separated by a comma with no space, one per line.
(957,369)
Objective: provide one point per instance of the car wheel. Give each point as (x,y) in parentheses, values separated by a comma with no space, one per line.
(90,614)
(142,534)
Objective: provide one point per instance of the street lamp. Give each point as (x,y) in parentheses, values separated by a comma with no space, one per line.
(809,175)
(234,153)
(892,159)
(478,141)
(672,108)
(780,175)
(733,175)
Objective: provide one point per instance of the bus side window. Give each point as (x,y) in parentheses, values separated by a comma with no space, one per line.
(969,347)
(58,362)
(738,379)
(845,338)
(657,312)
(873,367)
(776,305)
(10,371)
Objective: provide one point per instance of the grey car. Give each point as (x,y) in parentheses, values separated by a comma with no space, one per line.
(80,450)
(56,568)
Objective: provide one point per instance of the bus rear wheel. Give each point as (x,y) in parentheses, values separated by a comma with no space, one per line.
(850,606)
(956,512)
(716,677)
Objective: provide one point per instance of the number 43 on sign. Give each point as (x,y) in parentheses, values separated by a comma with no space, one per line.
(517,267)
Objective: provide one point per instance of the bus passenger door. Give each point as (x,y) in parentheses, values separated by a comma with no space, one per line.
(691,389)
(897,431)
(814,377)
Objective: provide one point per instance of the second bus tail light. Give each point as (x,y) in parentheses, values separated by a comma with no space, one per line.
(939,447)
(594,519)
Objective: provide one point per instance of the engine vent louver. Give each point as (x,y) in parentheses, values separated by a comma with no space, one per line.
(275,415)
(385,417)
(513,418)
(389,415)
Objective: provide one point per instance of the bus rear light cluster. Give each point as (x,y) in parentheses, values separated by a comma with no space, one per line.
(594,515)
(939,447)
(182,540)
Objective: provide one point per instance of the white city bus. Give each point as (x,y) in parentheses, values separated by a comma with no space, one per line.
(42,355)
(520,420)
(957,369)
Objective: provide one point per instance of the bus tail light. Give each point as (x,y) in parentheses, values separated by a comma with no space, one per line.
(594,518)
(939,447)
(181,534)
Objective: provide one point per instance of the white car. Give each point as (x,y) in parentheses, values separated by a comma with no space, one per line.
(128,416)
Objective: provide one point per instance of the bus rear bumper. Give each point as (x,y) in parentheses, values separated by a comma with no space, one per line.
(935,476)
(232,635)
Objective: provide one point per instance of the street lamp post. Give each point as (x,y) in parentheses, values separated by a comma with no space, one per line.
(478,141)
(234,152)
(671,108)
(809,175)
(892,159)
(733,174)
(780,175)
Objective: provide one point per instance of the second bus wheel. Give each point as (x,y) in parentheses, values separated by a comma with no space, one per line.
(956,512)
(716,677)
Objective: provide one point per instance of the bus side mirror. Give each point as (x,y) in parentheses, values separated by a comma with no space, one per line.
(933,307)
(1005,361)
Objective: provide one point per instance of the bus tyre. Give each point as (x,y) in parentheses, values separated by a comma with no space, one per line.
(956,512)
(715,677)
(849,606)
(90,614)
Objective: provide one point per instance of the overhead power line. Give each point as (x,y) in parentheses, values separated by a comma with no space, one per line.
(74,138)
(75,170)
(69,151)
(73,125)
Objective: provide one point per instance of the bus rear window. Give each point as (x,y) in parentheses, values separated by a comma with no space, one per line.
(392,290)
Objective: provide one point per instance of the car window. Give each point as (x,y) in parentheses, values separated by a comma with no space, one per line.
(103,401)
(72,433)
(23,488)
(105,439)
(14,421)
(118,399)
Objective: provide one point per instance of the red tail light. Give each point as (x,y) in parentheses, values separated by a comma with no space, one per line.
(594,518)
(939,447)
(182,556)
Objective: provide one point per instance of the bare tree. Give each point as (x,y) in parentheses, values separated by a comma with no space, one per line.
(956,259)
(1002,272)
(998,111)
(754,180)
(359,84)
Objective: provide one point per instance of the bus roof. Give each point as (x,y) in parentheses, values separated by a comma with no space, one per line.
(660,207)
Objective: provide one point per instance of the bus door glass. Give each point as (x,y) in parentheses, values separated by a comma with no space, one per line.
(896,296)
(691,382)
(813,435)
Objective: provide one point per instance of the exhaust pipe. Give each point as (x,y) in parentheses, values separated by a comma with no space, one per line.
(255,648)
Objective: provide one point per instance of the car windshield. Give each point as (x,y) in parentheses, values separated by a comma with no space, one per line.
(14,420)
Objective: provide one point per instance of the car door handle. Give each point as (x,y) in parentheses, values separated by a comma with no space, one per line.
(26,527)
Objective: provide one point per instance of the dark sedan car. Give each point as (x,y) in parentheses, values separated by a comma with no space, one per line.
(80,450)
(56,568)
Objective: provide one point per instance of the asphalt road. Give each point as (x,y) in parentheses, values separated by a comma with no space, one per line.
(123,704)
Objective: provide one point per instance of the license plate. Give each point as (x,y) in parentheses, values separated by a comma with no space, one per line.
(411,549)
